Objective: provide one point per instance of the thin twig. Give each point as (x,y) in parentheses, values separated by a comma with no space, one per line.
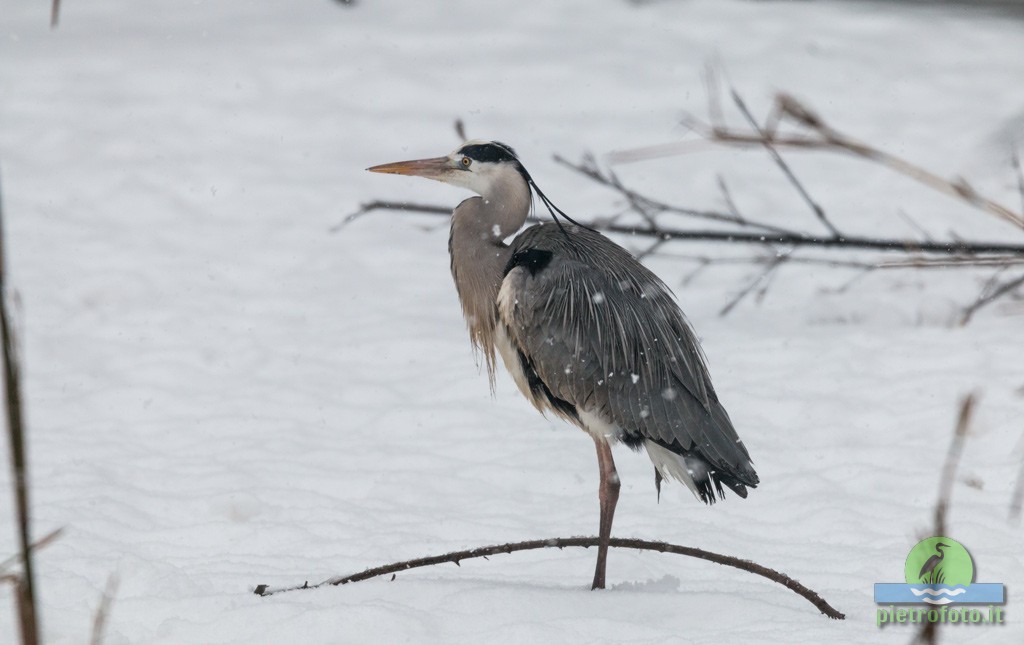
(1017,499)
(762,291)
(643,206)
(639,205)
(952,262)
(763,260)
(589,169)
(846,286)
(916,262)
(829,140)
(650,250)
(729,202)
(949,468)
(383,204)
(460,130)
(1015,160)
(993,280)
(928,634)
(19,457)
(38,544)
(54,14)
(713,89)
(99,620)
(703,263)
(953,248)
(770,268)
(815,207)
(925,235)
(561,543)
(987,299)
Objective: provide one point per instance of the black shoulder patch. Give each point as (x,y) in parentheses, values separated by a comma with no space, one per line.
(535,260)
(494,152)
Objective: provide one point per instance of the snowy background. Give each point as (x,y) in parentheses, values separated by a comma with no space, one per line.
(223,393)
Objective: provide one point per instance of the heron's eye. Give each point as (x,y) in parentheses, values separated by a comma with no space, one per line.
(466,162)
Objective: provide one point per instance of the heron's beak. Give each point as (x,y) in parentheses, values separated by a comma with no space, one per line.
(436,168)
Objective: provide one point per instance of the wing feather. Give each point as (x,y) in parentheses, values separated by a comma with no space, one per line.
(606,335)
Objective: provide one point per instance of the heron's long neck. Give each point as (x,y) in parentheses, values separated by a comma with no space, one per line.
(479,257)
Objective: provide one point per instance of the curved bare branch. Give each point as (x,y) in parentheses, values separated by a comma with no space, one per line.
(585,542)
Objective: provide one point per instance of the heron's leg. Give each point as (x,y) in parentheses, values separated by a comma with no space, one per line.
(608,494)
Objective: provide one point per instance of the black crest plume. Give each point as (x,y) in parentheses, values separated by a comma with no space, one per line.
(497,152)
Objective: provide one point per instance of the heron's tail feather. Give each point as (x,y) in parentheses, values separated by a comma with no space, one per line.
(704,481)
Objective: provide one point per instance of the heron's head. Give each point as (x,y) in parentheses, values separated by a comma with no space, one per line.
(484,167)
(489,169)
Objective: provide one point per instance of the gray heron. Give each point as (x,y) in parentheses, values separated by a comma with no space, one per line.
(586,331)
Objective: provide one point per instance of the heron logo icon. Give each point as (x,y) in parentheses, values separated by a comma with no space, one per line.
(939,561)
(939,571)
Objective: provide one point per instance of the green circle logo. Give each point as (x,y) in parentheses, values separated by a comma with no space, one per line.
(939,561)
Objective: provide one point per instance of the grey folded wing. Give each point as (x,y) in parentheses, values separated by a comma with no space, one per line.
(605,335)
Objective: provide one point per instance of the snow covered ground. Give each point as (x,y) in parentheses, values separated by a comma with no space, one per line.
(222,393)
